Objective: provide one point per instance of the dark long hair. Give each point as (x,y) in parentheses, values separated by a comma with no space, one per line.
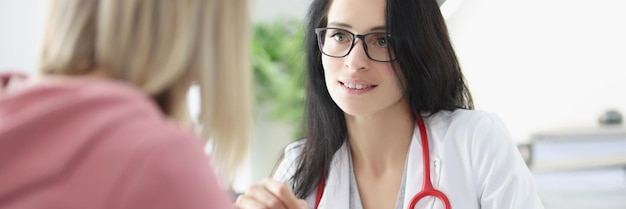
(426,62)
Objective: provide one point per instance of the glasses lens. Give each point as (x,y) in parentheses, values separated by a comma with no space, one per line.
(378,47)
(335,42)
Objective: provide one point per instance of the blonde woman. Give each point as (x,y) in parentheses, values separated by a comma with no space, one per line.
(104,124)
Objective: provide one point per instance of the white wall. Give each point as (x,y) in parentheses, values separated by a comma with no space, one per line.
(21,24)
(269,10)
(543,64)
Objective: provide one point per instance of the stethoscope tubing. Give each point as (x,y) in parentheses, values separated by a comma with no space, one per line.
(427,188)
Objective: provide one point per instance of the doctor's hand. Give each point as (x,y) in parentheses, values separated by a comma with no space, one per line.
(269,194)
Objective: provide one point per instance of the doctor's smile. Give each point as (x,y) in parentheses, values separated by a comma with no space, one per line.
(357,87)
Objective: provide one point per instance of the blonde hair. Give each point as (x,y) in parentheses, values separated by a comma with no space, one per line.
(163,47)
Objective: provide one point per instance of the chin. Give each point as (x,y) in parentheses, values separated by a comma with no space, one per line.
(353,106)
(355,110)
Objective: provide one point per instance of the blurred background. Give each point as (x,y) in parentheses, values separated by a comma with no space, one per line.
(553,70)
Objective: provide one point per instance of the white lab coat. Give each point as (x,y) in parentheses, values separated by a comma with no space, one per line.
(474,161)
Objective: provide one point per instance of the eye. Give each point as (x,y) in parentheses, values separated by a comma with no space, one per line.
(381,42)
(339,36)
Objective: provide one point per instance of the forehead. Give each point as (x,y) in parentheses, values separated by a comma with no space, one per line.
(360,15)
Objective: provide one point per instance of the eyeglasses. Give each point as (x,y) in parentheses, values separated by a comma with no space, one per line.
(335,42)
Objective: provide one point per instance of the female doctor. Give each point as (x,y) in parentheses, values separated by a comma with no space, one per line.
(389,120)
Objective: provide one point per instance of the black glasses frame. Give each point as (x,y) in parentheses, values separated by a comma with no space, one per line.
(320,44)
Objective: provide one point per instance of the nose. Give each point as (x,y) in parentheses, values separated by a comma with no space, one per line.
(357,58)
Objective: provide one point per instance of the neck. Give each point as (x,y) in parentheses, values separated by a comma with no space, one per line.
(381,141)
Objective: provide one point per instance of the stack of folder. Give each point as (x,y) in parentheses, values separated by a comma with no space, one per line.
(580,168)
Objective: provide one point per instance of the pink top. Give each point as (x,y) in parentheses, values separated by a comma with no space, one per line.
(98,144)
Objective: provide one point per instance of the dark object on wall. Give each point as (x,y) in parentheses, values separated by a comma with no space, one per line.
(611,117)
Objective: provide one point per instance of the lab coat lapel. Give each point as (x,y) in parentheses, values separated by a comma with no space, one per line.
(415,171)
(337,190)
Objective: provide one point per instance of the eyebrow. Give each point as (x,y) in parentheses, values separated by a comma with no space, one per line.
(345,25)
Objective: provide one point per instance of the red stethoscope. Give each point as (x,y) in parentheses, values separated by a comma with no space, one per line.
(427,188)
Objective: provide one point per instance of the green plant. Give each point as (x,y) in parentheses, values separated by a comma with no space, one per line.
(278,64)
